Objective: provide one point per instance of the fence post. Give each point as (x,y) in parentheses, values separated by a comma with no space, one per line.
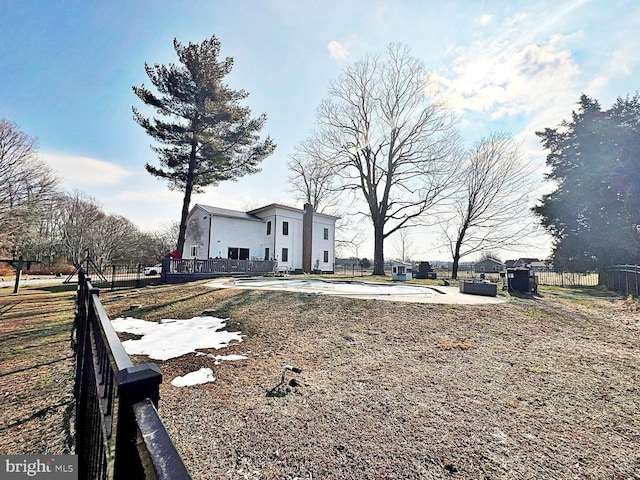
(81,323)
(134,385)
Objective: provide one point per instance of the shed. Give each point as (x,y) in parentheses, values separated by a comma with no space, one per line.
(401,271)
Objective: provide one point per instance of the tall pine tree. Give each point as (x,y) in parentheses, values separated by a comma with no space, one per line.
(594,212)
(204,136)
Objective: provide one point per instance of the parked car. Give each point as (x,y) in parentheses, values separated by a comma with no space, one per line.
(154,270)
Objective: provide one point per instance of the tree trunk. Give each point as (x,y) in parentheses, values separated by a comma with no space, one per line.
(187,199)
(456,258)
(378,250)
(454,269)
(183,218)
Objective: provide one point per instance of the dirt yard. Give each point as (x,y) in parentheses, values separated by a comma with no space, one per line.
(36,371)
(544,388)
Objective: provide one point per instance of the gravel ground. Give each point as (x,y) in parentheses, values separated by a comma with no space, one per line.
(531,388)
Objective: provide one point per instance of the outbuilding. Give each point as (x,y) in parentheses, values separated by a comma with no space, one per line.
(401,271)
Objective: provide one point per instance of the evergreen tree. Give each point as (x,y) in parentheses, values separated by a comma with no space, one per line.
(594,212)
(204,135)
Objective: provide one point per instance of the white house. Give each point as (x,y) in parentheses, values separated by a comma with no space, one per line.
(298,240)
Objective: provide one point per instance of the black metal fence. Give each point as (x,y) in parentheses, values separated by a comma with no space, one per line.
(624,279)
(119,434)
(114,277)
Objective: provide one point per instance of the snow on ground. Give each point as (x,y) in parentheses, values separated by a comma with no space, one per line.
(203,375)
(220,358)
(174,338)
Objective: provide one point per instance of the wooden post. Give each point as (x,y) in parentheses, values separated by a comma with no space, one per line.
(18,274)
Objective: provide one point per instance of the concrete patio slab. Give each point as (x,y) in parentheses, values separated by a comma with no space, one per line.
(397,292)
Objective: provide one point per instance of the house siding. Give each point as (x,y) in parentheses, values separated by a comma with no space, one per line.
(320,245)
(197,233)
(236,233)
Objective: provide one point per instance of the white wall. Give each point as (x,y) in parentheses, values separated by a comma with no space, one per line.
(277,241)
(197,233)
(319,244)
(236,233)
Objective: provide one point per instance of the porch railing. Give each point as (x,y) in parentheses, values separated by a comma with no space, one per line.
(218,266)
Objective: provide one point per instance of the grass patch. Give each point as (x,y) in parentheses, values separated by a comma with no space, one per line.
(451,345)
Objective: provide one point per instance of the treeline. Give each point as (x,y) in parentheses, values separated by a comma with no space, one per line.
(594,160)
(40,221)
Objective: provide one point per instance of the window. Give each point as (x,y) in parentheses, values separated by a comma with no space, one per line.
(269,227)
(266,253)
(326,256)
(326,234)
(194,251)
(285,255)
(285,228)
(234,253)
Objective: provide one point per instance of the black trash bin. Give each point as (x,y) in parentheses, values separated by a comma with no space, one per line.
(518,280)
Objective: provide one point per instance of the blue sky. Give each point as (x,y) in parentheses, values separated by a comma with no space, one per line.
(518,66)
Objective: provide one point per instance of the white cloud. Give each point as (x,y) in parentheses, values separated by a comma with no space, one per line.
(485,19)
(78,171)
(489,77)
(337,50)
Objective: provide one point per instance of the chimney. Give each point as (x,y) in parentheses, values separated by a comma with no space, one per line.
(307,237)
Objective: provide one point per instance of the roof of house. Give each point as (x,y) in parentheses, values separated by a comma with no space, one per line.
(526,261)
(287,207)
(224,212)
(252,214)
(489,260)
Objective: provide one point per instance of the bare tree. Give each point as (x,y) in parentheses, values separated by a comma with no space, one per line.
(313,179)
(80,216)
(113,241)
(491,210)
(26,184)
(388,143)
(403,245)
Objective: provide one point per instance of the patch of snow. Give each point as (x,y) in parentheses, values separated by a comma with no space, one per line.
(174,338)
(220,358)
(204,375)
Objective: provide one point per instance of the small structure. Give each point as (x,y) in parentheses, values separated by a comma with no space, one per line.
(425,271)
(401,271)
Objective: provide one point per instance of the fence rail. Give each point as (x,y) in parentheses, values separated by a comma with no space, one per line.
(624,279)
(119,434)
(562,279)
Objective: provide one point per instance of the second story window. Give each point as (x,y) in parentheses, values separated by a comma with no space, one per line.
(285,228)
(269,227)
(326,234)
